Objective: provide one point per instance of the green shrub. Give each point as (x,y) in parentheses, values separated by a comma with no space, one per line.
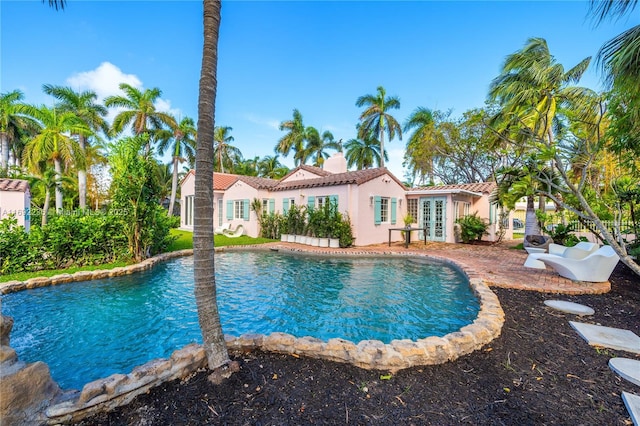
(472,227)
(17,249)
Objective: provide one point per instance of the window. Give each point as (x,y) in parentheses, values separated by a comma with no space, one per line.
(412,208)
(219,211)
(265,206)
(188,210)
(320,201)
(384,210)
(238,209)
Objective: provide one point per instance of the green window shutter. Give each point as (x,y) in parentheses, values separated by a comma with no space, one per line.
(285,206)
(377,210)
(245,209)
(333,199)
(311,201)
(229,210)
(394,203)
(272,205)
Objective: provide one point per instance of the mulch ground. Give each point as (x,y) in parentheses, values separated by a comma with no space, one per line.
(539,371)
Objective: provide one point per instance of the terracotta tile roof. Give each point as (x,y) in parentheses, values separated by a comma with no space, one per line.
(14,185)
(481,187)
(258,182)
(356,177)
(222,181)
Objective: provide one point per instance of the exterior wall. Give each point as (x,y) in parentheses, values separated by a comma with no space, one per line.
(240,191)
(17,203)
(300,175)
(366,231)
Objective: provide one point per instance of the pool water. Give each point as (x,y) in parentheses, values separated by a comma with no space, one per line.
(85,331)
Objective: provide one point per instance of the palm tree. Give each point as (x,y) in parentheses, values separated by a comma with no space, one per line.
(295,137)
(139,111)
(223,151)
(184,147)
(620,56)
(530,89)
(270,167)
(375,117)
(84,106)
(424,141)
(316,145)
(55,144)
(203,249)
(13,120)
(363,153)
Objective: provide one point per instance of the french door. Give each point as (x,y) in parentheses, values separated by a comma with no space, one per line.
(432,217)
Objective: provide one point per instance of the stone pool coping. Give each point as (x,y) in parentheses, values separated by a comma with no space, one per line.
(119,389)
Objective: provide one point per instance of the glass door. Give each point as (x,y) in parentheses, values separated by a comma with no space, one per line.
(432,217)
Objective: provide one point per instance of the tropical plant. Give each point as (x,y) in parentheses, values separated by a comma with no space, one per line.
(54,143)
(270,167)
(139,111)
(472,227)
(203,250)
(181,140)
(92,114)
(316,146)
(375,119)
(224,153)
(13,119)
(422,146)
(363,153)
(295,137)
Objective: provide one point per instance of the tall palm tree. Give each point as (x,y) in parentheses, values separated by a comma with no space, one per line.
(530,89)
(375,118)
(13,119)
(316,146)
(203,249)
(54,143)
(84,106)
(295,137)
(139,111)
(363,153)
(424,141)
(223,151)
(181,140)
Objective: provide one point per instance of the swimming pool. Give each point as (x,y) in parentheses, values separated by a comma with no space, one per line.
(89,330)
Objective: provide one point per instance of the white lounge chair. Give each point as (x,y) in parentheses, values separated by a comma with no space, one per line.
(596,267)
(579,251)
(220,230)
(235,233)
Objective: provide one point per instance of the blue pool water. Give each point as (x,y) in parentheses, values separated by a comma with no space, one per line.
(85,331)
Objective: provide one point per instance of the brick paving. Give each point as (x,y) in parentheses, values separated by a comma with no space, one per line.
(498,264)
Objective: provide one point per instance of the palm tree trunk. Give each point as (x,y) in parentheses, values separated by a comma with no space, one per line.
(45,207)
(57,165)
(203,249)
(82,178)
(381,147)
(174,186)
(4,162)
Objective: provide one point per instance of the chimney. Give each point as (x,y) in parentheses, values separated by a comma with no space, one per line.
(335,164)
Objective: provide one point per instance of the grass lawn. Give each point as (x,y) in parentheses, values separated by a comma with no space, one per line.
(184,240)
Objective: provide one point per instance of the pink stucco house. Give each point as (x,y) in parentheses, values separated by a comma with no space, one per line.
(15,199)
(374,199)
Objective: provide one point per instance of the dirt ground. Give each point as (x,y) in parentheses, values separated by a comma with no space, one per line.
(539,371)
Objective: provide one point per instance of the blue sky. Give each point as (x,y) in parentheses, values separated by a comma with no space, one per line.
(318,57)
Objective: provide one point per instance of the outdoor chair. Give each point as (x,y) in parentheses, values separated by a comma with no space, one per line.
(220,230)
(596,267)
(235,233)
(579,251)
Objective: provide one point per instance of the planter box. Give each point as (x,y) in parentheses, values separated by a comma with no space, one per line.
(284,238)
(291,238)
(314,241)
(334,242)
(324,242)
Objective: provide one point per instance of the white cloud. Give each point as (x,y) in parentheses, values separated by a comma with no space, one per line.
(164,105)
(104,80)
(271,123)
